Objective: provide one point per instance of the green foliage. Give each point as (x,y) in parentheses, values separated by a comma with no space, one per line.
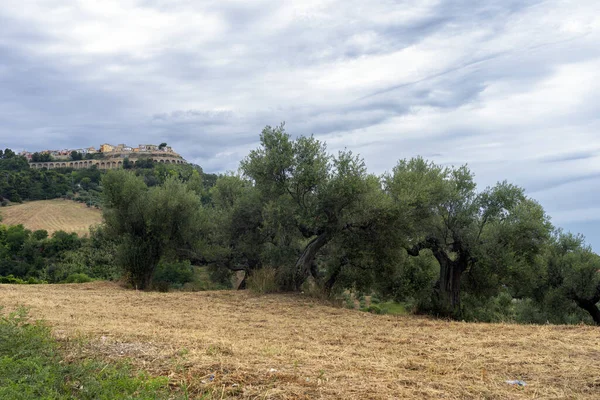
(481,235)
(34,257)
(150,223)
(43,157)
(499,308)
(173,274)
(77,278)
(309,198)
(18,281)
(75,156)
(422,237)
(31,367)
(21,183)
(9,161)
(393,308)
(374,309)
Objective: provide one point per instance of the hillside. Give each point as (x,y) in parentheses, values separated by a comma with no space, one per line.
(286,346)
(52,215)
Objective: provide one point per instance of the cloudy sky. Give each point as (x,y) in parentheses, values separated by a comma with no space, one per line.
(510,87)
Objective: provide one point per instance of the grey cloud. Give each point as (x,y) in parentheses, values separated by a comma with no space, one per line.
(580,155)
(210,100)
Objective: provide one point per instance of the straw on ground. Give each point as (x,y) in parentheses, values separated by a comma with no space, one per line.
(235,344)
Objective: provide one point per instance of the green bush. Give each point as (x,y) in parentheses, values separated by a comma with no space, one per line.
(362,302)
(18,281)
(263,280)
(31,367)
(77,278)
(12,280)
(348,300)
(493,309)
(173,275)
(394,308)
(374,309)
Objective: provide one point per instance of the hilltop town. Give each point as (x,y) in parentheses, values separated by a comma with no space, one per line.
(105,157)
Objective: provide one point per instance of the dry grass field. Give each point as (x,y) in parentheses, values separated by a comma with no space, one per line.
(237,345)
(52,215)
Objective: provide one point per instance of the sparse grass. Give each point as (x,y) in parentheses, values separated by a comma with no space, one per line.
(263,280)
(393,308)
(52,215)
(233,344)
(31,367)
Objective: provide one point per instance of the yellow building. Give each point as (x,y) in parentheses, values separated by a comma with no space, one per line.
(106,148)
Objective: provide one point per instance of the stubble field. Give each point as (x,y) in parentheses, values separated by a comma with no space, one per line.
(231,344)
(52,215)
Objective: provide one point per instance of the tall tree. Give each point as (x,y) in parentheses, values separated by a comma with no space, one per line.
(320,193)
(152,223)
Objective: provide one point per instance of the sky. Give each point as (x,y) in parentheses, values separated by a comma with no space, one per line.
(509,87)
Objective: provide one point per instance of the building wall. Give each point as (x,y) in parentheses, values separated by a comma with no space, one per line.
(106,148)
(110,163)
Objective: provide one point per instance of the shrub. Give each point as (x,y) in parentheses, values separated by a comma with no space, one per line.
(263,280)
(348,300)
(362,302)
(493,309)
(173,274)
(77,278)
(18,281)
(374,309)
(12,280)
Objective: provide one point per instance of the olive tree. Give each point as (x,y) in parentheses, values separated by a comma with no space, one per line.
(151,223)
(463,229)
(319,194)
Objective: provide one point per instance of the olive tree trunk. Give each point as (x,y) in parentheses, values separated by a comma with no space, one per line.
(305,262)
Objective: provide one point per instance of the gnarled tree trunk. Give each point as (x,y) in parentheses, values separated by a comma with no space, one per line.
(305,262)
(591,307)
(447,288)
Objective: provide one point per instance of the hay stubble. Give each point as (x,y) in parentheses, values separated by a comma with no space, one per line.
(285,346)
(52,215)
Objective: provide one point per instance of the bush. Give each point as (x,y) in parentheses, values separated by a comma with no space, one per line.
(374,309)
(18,281)
(493,309)
(348,300)
(77,278)
(263,280)
(12,280)
(172,275)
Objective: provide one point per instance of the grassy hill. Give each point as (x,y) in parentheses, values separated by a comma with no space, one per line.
(237,345)
(52,215)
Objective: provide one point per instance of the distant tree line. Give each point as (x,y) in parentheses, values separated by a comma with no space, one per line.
(34,257)
(19,182)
